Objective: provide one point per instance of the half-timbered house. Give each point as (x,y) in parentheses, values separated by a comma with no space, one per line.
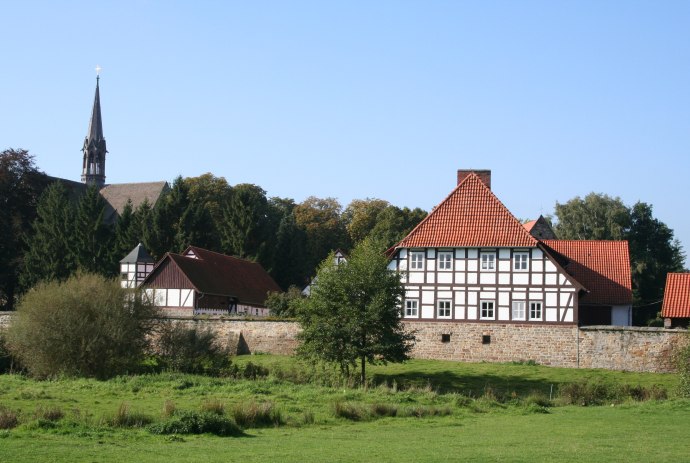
(470,260)
(199,281)
(676,306)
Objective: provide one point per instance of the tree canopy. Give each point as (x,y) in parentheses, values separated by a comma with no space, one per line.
(353,312)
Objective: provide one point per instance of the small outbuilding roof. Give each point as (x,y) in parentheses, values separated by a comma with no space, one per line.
(676,296)
(602,267)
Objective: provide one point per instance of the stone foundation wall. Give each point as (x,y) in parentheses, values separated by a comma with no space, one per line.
(554,345)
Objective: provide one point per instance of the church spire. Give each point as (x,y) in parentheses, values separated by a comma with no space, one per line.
(93,167)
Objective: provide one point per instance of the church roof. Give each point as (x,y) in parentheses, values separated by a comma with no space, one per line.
(138,254)
(602,267)
(117,194)
(95,133)
(471,216)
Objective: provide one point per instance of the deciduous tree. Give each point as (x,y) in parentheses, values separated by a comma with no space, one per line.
(353,314)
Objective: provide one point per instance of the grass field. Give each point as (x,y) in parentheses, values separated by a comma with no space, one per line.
(445,411)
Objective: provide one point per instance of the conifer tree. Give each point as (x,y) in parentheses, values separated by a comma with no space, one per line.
(92,237)
(126,235)
(49,245)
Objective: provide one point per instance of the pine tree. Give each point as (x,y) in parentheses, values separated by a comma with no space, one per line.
(49,246)
(93,238)
(126,235)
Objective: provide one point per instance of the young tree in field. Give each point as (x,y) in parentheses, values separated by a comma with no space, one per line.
(49,245)
(353,313)
(21,184)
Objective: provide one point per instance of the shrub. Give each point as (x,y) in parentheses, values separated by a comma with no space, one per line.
(190,350)
(284,304)
(85,326)
(125,418)
(213,406)
(422,411)
(8,418)
(681,358)
(350,411)
(7,363)
(257,415)
(49,414)
(382,409)
(169,408)
(187,422)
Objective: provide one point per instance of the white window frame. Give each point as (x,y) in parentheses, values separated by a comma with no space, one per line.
(488,313)
(443,308)
(445,260)
(488,264)
(521,261)
(536,310)
(518,310)
(417,260)
(411,308)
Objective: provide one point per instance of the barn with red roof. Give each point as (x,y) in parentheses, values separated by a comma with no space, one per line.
(199,281)
(471,261)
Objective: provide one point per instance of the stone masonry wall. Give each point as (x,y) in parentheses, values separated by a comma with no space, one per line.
(608,347)
(629,348)
(554,345)
(249,336)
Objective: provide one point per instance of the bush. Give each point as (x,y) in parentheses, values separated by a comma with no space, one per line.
(8,418)
(6,359)
(125,418)
(85,326)
(350,411)
(284,304)
(190,350)
(255,415)
(681,358)
(187,422)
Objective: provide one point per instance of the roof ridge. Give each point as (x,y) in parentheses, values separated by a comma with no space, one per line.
(191,246)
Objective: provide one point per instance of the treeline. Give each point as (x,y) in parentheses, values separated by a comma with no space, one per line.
(52,233)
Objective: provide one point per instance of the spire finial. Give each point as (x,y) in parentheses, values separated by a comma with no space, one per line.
(98,71)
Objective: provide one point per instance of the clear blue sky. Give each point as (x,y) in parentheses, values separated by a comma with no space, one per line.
(363,99)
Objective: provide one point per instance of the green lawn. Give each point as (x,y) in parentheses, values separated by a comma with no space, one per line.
(482,429)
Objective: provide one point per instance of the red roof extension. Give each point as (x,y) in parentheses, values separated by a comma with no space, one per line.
(677,296)
(602,267)
(529,225)
(471,216)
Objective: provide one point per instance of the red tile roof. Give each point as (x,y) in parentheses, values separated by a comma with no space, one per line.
(677,296)
(602,267)
(529,225)
(221,275)
(471,216)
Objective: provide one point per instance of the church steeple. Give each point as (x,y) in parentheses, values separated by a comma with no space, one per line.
(93,167)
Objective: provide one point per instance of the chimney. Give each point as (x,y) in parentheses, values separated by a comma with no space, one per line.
(483,174)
